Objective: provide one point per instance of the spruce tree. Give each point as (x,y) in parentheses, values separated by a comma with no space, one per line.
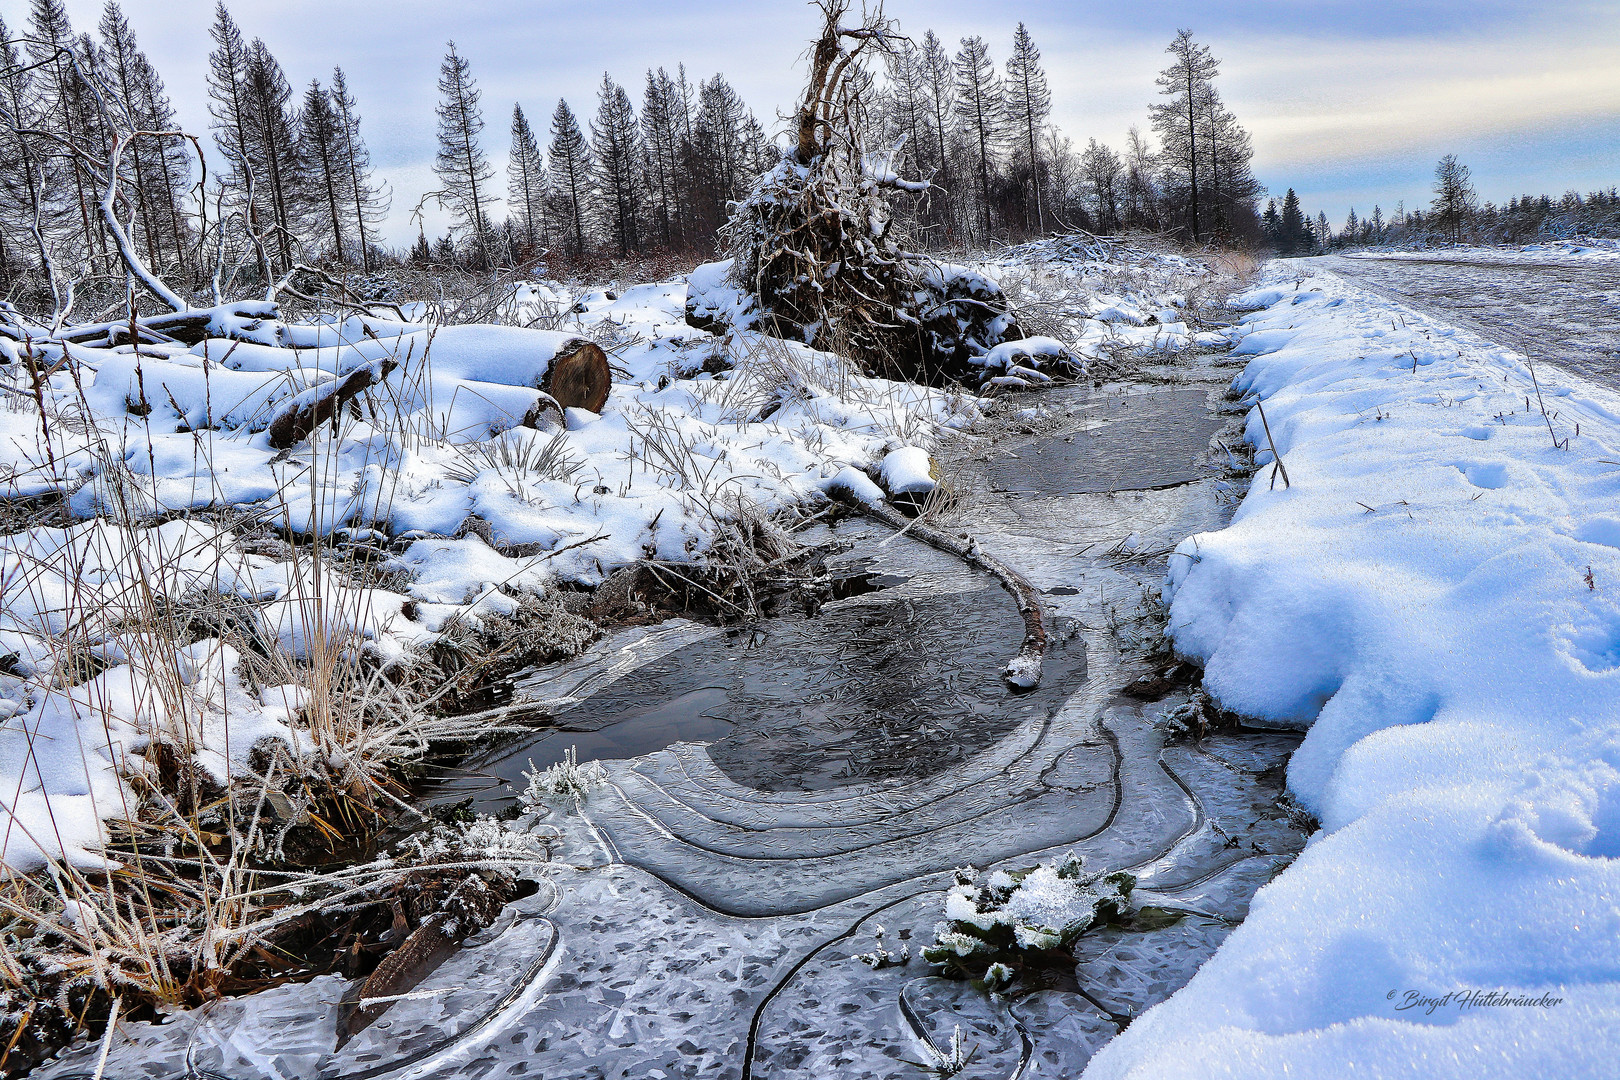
(1176,120)
(60,101)
(20,163)
(232,122)
(320,148)
(616,142)
(1103,171)
(526,180)
(1141,189)
(1454,199)
(460,163)
(272,147)
(569,198)
(663,125)
(1028,103)
(982,110)
(365,203)
(1292,233)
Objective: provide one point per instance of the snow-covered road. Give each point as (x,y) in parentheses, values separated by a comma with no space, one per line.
(1562,310)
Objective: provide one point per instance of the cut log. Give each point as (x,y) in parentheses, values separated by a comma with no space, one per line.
(546,414)
(304,412)
(578,377)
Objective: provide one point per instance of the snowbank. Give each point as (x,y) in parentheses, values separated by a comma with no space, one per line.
(1437,596)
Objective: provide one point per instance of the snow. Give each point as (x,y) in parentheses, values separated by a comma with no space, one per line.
(1578,248)
(1437,597)
(436,472)
(908,470)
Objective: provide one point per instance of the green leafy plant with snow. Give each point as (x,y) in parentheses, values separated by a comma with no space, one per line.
(1016,921)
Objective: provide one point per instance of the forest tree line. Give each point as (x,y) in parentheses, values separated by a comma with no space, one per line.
(291,180)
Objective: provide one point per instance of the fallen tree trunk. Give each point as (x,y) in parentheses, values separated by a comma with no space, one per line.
(1023,671)
(186,327)
(304,412)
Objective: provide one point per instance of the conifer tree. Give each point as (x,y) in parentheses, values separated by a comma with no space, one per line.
(460,163)
(905,108)
(320,148)
(1102,171)
(1028,103)
(719,152)
(1454,198)
(60,107)
(272,146)
(616,142)
(663,125)
(1176,120)
(568,200)
(526,181)
(366,203)
(982,110)
(1292,233)
(937,77)
(1141,187)
(157,169)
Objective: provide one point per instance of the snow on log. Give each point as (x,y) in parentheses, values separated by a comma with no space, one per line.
(304,412)
(909,475)
(546,414)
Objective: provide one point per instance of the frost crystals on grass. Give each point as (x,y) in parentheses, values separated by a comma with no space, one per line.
(566,785)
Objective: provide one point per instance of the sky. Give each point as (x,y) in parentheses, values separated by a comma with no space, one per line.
(1350,102)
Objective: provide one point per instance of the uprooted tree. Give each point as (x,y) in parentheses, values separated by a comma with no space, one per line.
(816,248)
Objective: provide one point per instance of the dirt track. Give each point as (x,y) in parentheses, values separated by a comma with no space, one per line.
(1560,311)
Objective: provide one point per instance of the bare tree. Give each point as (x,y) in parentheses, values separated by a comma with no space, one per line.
(460,164)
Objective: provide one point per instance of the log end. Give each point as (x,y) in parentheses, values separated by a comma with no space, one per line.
(578,377)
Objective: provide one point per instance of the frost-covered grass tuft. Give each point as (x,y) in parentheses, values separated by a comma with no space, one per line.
(567,785)
(881,956)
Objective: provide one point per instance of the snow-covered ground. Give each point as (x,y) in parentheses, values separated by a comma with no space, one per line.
(435,474)
(1437,595)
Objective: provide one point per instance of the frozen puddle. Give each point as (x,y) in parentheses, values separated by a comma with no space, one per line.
(1113,442)
(780,793)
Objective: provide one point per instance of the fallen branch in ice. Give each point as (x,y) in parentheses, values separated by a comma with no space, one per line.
(1024,670)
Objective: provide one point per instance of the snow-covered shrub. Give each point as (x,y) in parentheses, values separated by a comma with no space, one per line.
(567,785)
(1022,919)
